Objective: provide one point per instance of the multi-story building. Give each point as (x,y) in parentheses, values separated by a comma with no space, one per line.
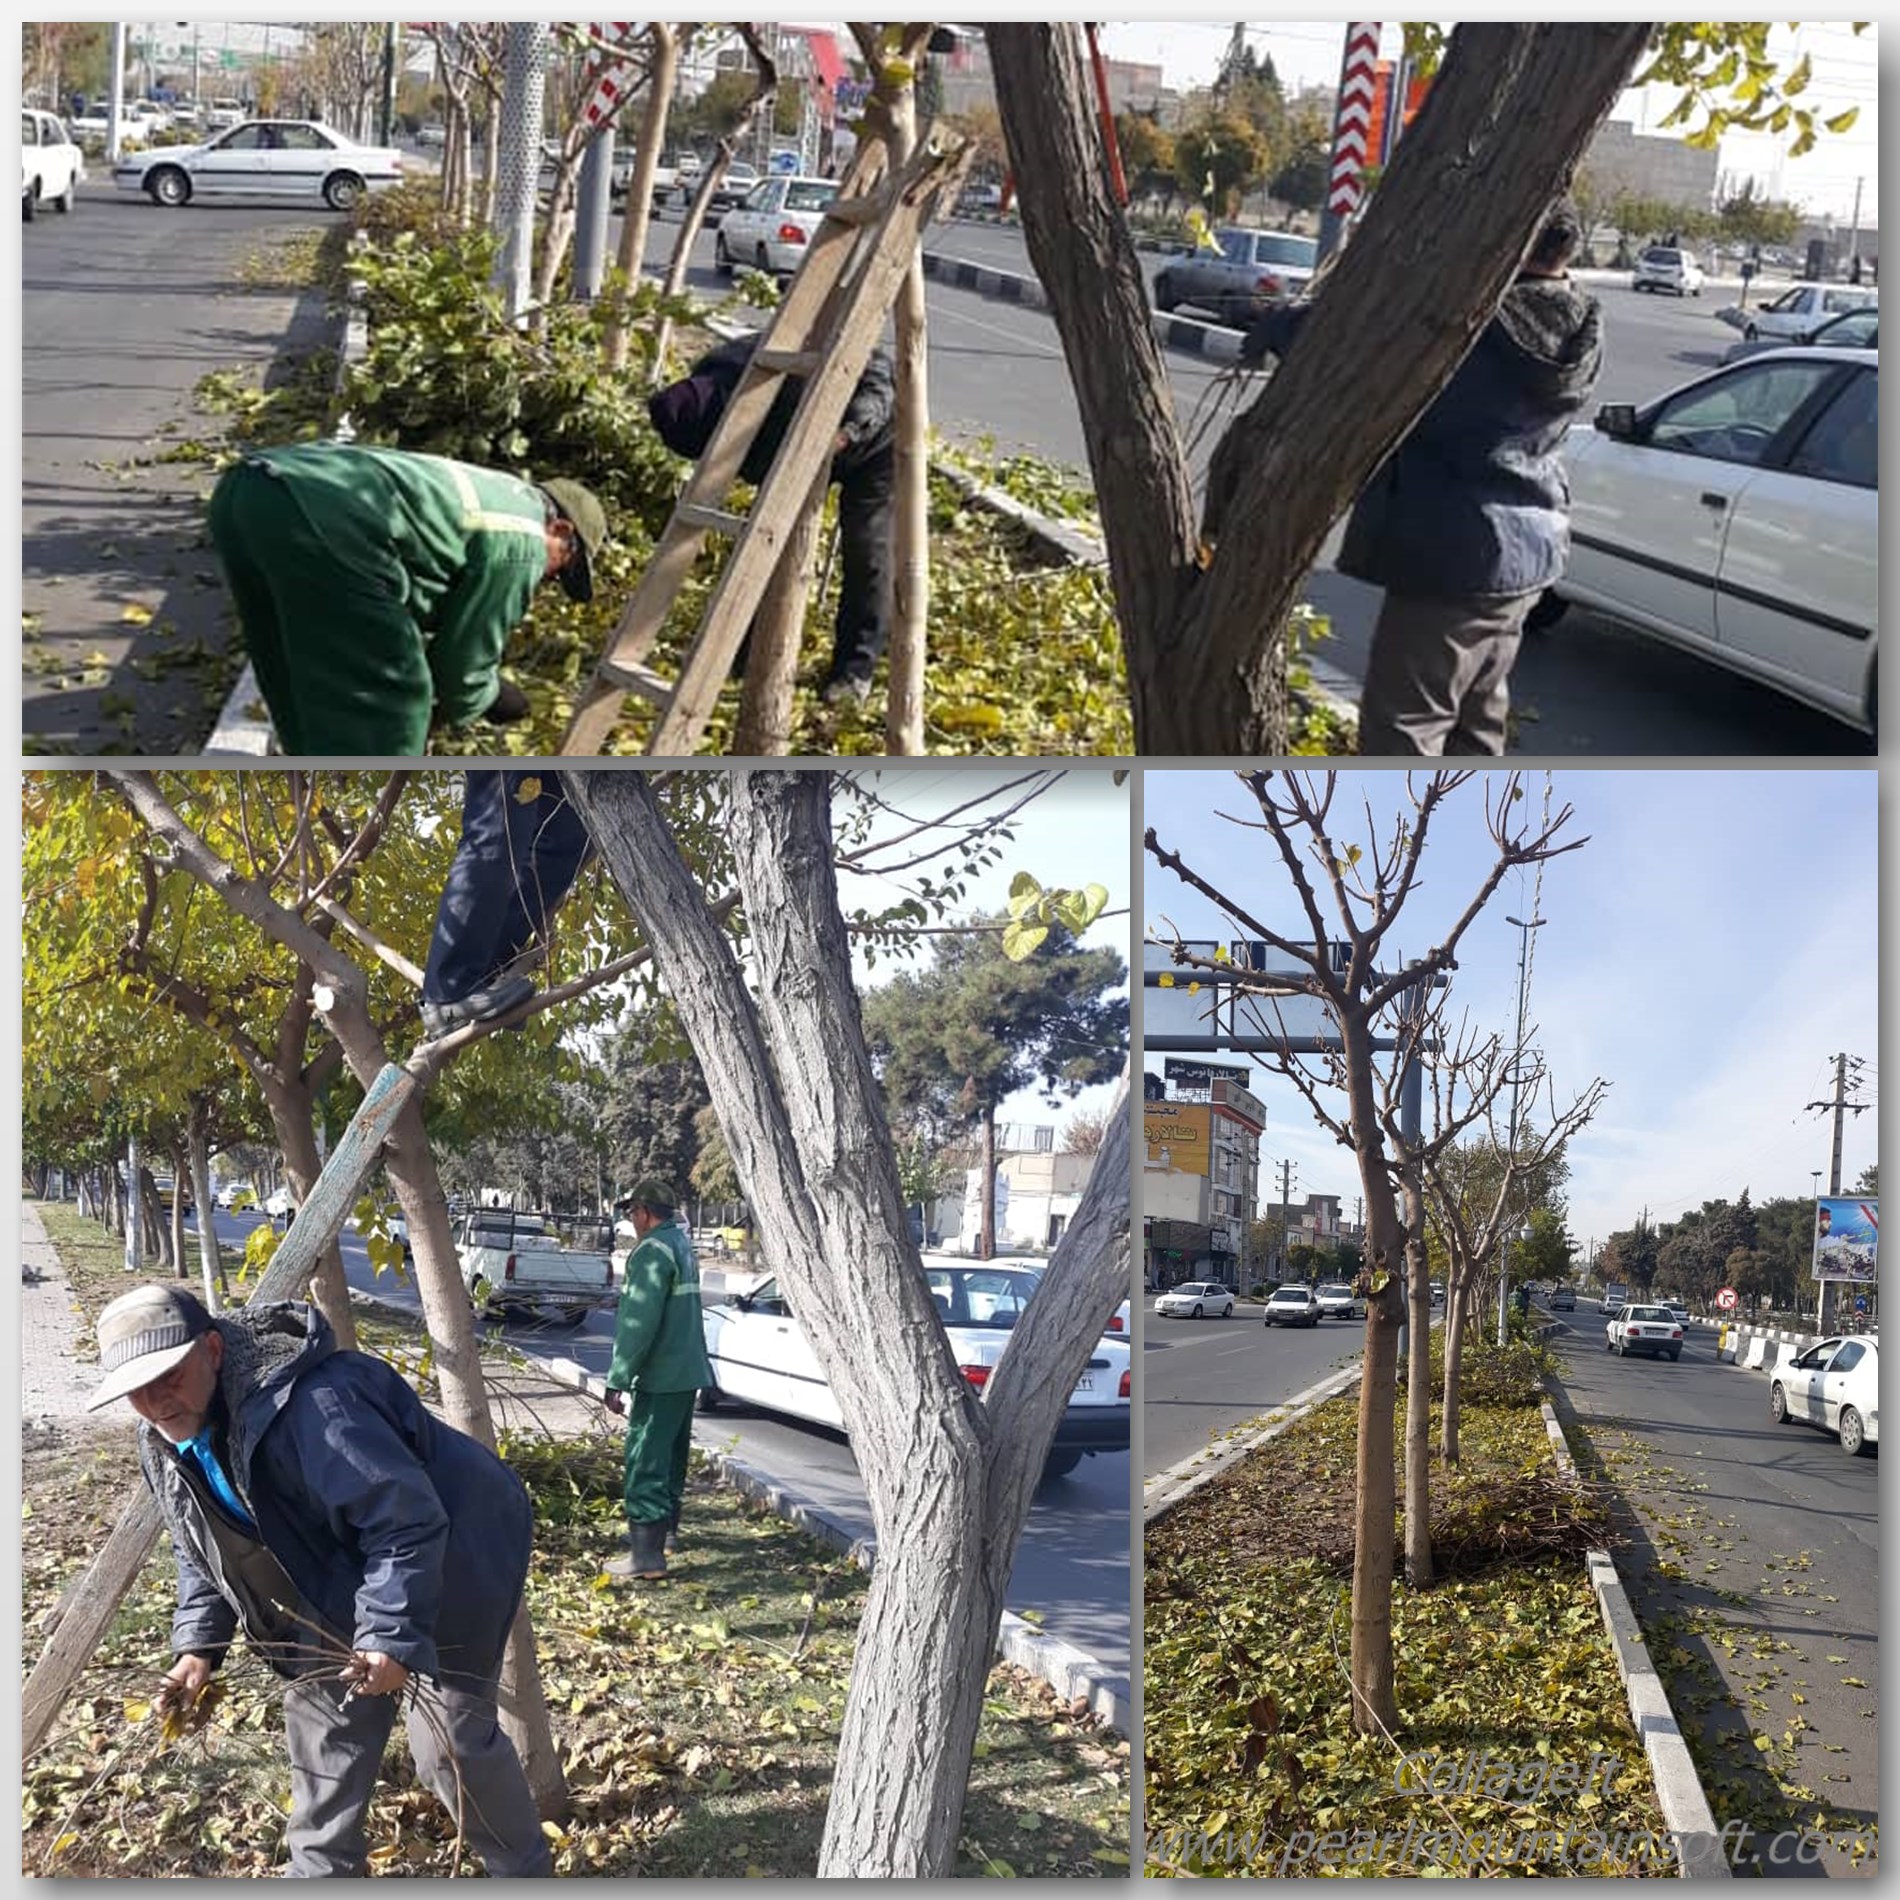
(968,84)
(1654,166)
(1198,1182)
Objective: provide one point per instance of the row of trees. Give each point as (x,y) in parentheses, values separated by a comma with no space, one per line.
(1745,217)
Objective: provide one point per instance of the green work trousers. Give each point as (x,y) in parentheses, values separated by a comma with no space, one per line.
(659,1437)
(339,657)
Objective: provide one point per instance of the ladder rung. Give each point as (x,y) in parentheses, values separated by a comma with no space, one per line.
(637,679)
(855,210)
(789,362)
(714,520)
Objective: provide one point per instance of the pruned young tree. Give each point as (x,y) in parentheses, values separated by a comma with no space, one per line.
(1384,1017)
(949,1474)
(662,69)
(1204,598)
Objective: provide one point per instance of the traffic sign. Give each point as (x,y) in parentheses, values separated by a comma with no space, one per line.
(1726,1299)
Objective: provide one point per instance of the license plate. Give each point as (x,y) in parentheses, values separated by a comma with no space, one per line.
(1085,1384)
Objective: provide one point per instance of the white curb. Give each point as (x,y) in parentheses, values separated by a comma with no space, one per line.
(1559,1446)
(1756,1348)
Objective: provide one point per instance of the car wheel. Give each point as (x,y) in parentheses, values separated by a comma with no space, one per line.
(1674,1356)
(575,1318)
(764,260)
(169,186)
(722,258)
(709,1398)
(1058,1465)
(64,203)
(29,206)
(1165,299)
(1622,1351)
(1777,1404)
(343,191)
(1853,1432)
(1196,1314)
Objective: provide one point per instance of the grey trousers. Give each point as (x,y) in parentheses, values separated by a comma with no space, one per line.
(1439,678)
(336,1755)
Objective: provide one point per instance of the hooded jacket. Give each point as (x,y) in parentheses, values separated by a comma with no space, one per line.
(687,412)
(1476,501)
(387,1528)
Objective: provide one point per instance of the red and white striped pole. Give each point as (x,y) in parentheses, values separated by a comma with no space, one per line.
(1352,132)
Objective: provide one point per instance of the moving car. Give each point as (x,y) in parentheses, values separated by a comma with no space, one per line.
(1292,1306)
(1851,330)
(1438,1293)
(236,1194)
(222,114)
(1249,272)
(1563,1299)
(1651,1329)
(1668,267)
(51,164)
(1196,1299)
(264,158)
(1738,517)
(1798,312)
(761,1357)
(1836,1385)
(773,228)
(1339,1301)
(534,1266)
(733,189)
(280,1205)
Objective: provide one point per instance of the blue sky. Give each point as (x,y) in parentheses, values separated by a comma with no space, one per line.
(1708,953)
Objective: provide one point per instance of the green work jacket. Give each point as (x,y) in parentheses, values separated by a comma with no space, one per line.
(659,1337)
(463,548)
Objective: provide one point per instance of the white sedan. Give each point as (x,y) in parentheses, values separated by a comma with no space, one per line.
(1798,312)
(761,1357)
(1836,1385)
(1196,1299)
(1292,1306)
(264,158)
(774,227)
(1739,517)
(1649,1329)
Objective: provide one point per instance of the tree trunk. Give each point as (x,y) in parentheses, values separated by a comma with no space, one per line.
(210,1262)
(1454,1371)
(180,1158)
(293,1112)
(662,68)
(910,512)
(1418,1391)
(778,630)
(949,1478)
(1512,108)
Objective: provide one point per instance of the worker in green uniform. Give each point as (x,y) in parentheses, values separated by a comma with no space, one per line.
(376,588)
(660,1358)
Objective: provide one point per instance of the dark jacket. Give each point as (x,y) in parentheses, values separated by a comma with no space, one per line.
(1475,501)
(394,1531)
(687,412)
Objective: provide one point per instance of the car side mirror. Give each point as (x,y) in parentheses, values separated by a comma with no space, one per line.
(1617,419)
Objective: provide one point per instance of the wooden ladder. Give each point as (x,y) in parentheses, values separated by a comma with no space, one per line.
(824,331)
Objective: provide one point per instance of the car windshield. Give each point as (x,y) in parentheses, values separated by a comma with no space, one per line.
(1300,252)
(1291,1296)
(809,194)
(1335,1292)
(1649,1312)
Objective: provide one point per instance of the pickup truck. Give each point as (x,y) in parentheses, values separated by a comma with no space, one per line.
(535,1266)
(51,164)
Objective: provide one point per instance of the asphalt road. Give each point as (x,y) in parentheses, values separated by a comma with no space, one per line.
(1072,1565)
(1202,1377)
(1730,1502)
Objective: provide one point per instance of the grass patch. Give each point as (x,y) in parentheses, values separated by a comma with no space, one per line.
(697,1719)
(1250,1752)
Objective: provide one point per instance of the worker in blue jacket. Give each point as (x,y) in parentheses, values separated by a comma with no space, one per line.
(366,1550)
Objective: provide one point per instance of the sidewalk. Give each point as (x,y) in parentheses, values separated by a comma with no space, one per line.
(56,1361)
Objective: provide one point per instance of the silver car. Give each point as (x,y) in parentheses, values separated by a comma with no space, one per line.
(1248,274)
(264,158)
(1292,1306)
(774,227)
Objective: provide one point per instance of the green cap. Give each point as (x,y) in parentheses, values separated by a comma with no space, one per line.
(580,507)
(650,1192)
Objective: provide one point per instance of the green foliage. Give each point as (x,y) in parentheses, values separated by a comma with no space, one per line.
(1035,912)
(1730,83)
(1218,158)
(1750,216)
(1507,1376)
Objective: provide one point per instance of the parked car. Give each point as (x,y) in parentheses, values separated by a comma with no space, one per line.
(1121,1322)
(264,158)
(1738,517)
(1834,1384)
(1668,267)
(51,164)
(1563,1299)
(235,1194)
(1650,1329)
(1851,330)
(737,184)
(774,227)
(518,1265)
(432,137)
(1799,311)
(1339,1301)
(1292,1306)
(1249,272)
(1196,1299)
(761,1357)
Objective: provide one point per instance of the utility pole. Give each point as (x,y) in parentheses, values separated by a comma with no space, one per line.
(115,96)
(1524,927)
(1286,1192)
(1853,242)
(1839,1106)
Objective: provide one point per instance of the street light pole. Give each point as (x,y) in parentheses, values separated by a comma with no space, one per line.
(1525,927)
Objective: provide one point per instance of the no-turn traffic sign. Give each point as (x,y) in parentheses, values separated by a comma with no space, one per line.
(1726,1299)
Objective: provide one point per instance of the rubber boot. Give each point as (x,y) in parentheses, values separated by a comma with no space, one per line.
(673,1531)
(645,1559)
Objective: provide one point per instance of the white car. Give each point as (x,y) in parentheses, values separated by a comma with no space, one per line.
(51,164)
(232,1194)
(1292,1306)
(774,227)
(264,158)
(1650,1329)
(1668,267)
(280,1205)
(1196,1299)
(761,1357)
(1339,1301)
(1739,517)
(1798,312)
(1836,1385)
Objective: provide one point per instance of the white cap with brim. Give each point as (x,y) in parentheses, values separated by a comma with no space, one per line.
(142,1336)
